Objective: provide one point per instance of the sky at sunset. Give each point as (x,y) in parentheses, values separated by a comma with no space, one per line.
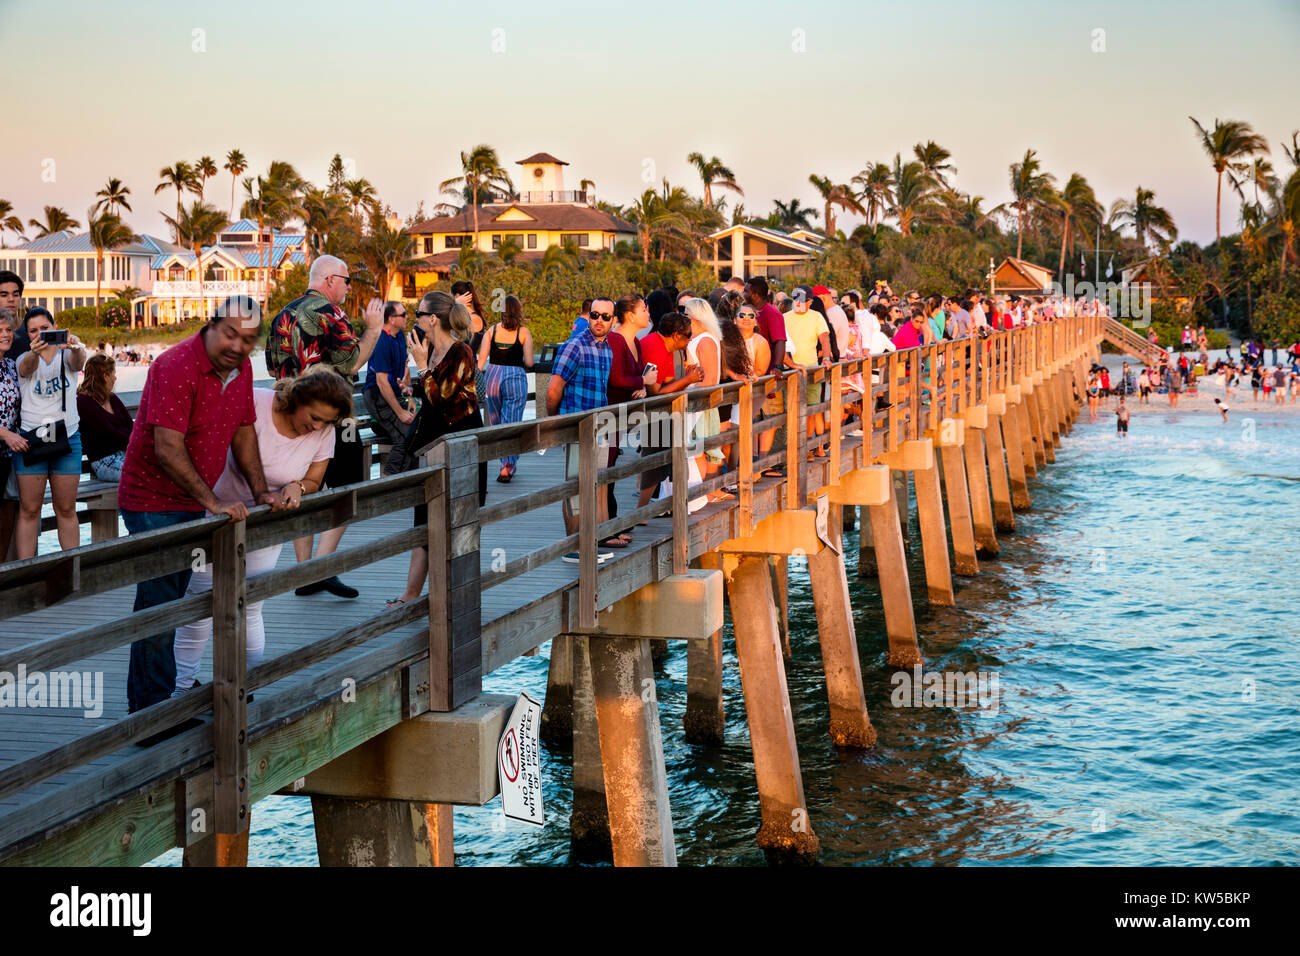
(624,91)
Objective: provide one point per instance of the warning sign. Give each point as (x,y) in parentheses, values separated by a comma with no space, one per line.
(823,523)
(519,764)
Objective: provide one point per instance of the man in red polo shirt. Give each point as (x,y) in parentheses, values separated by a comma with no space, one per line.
(196,406)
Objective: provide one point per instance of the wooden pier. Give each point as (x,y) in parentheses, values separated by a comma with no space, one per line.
(379,716)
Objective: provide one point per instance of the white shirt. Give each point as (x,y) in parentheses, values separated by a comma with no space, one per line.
(283,459)
(839,323)
(978,316)
(43,395)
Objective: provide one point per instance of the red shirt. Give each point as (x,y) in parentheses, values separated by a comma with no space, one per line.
(654,350)
(907,337)
(185,393)
(771,324)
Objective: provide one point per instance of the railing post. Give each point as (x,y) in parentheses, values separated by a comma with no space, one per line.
(588,521)
(836,413)
(230,790)
(681,488)
(796,436)
(455,648)
(745,461)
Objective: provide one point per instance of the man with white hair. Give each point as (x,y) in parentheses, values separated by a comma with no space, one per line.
(312,330)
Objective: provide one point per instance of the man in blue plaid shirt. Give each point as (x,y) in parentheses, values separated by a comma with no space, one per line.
(579,382)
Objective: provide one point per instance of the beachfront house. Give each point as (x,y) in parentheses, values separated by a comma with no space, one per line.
(743,250)
(545,214)
(1019,277)
(59,270)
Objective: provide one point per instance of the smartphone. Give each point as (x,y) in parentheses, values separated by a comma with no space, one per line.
(651,367)
(55,336)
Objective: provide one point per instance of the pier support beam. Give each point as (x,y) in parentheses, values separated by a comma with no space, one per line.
(1003,516)
(785,832)
(901,500)
(952,458)
(704,721)
(850,725)
(981,506)
(557,708)
(589,837)
(1013,444)
(1027,454)
(218,849)
(364,833)
(632,754)
(916,458)
(866,547)
(779,569)
(1041,441)
(895,588)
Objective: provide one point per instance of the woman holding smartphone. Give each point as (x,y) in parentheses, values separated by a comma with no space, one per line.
(49,424)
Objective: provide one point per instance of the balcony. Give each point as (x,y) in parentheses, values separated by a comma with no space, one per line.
(553,196)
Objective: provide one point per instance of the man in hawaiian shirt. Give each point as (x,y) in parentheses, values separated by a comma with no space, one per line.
(312,330)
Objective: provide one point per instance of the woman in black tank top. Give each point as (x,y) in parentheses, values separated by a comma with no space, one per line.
(505,354)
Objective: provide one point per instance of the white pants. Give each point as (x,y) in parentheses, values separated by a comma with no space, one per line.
(191,639)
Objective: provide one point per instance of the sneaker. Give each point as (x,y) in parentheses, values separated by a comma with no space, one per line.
(338,588)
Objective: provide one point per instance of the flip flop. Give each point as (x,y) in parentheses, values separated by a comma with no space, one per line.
(393,602)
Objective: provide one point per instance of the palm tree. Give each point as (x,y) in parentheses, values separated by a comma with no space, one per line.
(835,194)
(875,181)
(360,193)
(588,186)
(178,177)
(1031,188)
(713,170)
(509,250)
(8,221)
(934,160)
(1145,217)
(204,170)
(558,258)
(1078,204)
(967,212)
(56,220)
(385,251)
(323,212)
(1227,144)
(480,169)
(914,193)
(658,218)
(112,198)
(1288,218)
(1258,173)
(107,232)
(792,215)
(198,226)
(236,165)
(274,199)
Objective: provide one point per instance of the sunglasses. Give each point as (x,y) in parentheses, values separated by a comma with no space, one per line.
(747,315)
(601,316)
(347,279)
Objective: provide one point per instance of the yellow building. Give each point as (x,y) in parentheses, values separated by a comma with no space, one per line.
(544,215)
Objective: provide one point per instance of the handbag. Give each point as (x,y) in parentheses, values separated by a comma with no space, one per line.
(42,447)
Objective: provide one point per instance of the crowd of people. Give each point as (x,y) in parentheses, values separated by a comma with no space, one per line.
(206,442)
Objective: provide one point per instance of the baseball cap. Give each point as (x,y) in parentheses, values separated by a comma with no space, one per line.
(821,290)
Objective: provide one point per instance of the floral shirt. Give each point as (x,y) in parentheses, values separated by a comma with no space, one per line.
(310,331)
(9,392)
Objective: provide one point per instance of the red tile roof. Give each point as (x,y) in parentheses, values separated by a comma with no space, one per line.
(541,158)
(545,216)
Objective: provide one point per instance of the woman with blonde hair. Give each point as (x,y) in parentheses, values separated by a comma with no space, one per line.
(295,438)
(705,350)
(445,385)
(105,422)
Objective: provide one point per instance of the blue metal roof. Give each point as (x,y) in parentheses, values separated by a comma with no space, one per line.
(244,225)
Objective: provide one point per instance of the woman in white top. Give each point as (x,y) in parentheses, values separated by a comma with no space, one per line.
(46,376)
(705,350)
(295,437)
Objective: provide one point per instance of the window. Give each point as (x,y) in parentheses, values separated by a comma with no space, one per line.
(428,245)
(453,242)
(578,238)
(56,269)
(532,240)
(496,241)
(45,270)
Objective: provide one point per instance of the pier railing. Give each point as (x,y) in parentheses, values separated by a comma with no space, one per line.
(436,649)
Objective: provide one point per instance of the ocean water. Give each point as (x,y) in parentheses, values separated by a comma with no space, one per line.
(1142,626)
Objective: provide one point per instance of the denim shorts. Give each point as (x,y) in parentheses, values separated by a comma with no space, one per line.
(66,464)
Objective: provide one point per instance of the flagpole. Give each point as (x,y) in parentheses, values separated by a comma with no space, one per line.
(1096,269)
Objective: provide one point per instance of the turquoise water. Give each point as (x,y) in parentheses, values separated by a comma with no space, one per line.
(1141,623)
